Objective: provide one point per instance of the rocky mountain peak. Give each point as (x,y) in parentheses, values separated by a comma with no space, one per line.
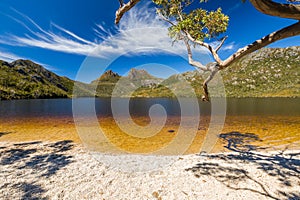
(139,74)
(109,74)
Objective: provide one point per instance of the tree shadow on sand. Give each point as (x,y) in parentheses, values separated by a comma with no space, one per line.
(283,167)
(4,133)
(30,191)
(30,157)
(43,160)
(50,163)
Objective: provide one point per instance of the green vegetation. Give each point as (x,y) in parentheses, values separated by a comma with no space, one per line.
(269,72)
(23,79)
(266,73)
(105,83)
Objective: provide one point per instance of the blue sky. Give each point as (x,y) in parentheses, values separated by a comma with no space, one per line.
(66,36)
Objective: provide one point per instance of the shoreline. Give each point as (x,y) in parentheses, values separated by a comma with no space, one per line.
(64,170)
(159,97)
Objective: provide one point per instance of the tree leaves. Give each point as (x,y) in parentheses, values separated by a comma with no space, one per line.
(199,23)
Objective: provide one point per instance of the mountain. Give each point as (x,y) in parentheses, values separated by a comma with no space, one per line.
(105,83)
(110,82)
(135,74)
(142,78)
(269,72)
(23,79)
(108,76)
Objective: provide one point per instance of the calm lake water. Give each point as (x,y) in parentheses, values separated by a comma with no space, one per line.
(140,107)
(271,122)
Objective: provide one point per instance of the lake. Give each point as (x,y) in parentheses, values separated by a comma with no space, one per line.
(272,122)
(140,107)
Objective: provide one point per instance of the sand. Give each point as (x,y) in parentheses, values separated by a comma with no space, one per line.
(65,170)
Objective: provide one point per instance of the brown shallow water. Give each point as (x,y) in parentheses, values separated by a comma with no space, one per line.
(271,132)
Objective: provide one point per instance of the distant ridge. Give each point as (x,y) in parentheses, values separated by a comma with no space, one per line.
(269,72)
(24,79)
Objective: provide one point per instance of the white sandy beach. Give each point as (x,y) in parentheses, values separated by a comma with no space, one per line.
(63,170)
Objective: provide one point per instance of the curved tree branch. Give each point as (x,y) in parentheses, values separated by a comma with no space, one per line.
(165,19)
(121,3)
(272,8)
(221,44)
(286,32)
(209,47)
(190,57)
(124,8)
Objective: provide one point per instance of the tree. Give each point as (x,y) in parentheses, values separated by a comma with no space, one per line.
(195,27)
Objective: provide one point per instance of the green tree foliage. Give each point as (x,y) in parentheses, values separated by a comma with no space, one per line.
(199,23)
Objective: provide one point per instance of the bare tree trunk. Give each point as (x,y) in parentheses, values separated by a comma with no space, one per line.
(205,96)
(269,7)
(286,32)
(124,8)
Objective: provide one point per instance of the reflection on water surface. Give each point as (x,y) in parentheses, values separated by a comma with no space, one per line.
(274,121)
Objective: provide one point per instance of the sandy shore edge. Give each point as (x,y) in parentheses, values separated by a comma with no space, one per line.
(64,170)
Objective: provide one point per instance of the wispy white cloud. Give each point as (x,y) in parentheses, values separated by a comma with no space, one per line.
(230,46)
(63,40)
(9,57)
(226,47)
(140,29)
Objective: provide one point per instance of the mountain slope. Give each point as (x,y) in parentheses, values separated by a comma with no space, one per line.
(136,74)
(23,79)
(136,78)
(108,77)
(269,72)
(105,83)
